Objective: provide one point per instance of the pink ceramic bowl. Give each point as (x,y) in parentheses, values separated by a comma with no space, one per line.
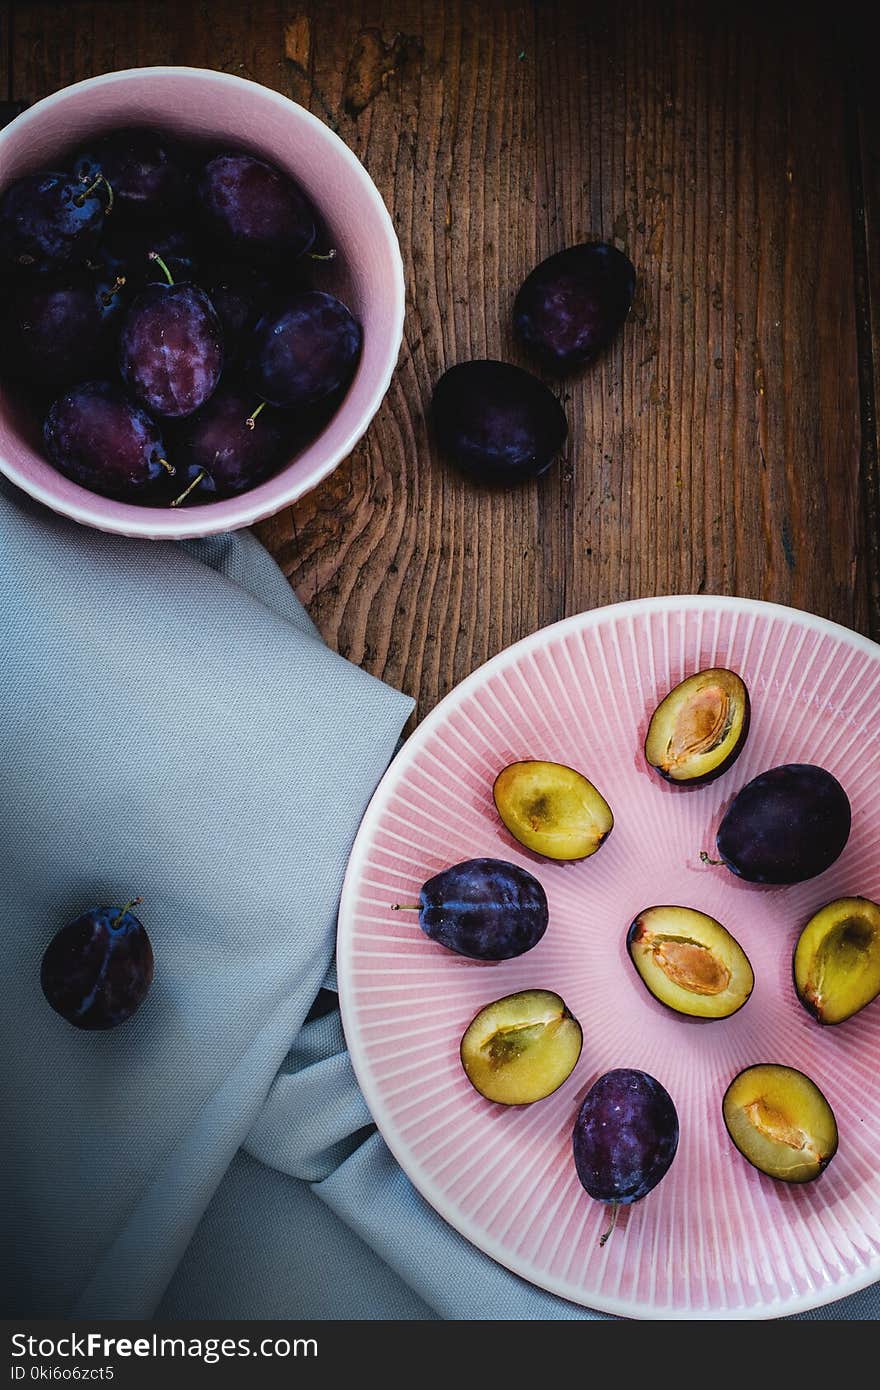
(196,103)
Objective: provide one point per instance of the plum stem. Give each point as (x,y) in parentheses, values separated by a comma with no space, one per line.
(406,907)
(108,295)
(323,255)
(706,859)
(92,188)
(169,467)
(122,911)
(154,256)
(252,418)
(199,478)
(615,1208)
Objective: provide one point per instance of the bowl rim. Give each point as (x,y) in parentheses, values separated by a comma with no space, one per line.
(159,523)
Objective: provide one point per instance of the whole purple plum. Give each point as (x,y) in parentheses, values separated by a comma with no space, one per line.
(105,442)
(253,210)
(484,908)
(303,350)
(498,423)
(171,349)
(786,825)
(55,328)
(97,970)
(571,305)
(227,447)
(49,220)
(625,1137)
(141,168)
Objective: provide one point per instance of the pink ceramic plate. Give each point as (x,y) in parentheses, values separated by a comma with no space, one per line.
(715,1238)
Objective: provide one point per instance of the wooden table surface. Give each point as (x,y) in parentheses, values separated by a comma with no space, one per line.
(725,444)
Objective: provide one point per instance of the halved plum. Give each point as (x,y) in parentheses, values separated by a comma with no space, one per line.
(521,1048)
(552,809)
(690,962)
(781,1122)
(786,825)
(699,729)
(837,959)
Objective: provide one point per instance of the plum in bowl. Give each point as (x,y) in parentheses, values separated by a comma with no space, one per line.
(218,111)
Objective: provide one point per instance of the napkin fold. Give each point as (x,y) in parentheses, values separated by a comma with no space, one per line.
(166,733)
(173,726)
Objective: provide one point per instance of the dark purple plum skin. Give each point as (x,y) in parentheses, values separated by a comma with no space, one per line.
(625,1136)
(97,970)
(571,305)
(303,349)
(217,440)
(785,826)
(171,349)
(141,169)
(486,909)
(48,222)
(55,330)
(240,294)
(496,422)
(126,250)
(253,210)
(106,443)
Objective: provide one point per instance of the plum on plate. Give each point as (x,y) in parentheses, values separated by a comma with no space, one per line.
(786,825)
(552,809)
(253,210)
(700,728)
(521,1048)
(105,442)
(690,962)
(571,305)
(781,1122)
(97,970)
(483,908)
(50,220)
(497,422)
(625,1138)
(171,348)
(837,959)
(303,349)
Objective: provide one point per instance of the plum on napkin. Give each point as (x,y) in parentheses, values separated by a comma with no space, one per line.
(170,734)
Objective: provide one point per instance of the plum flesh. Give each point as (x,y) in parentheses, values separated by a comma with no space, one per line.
(786,825)
(521,1048)
(700,728)
(837,959)
(486,909)
(571,305)
(625,1136)
(552,809)
(97,970)
(780,1121)
(497,422)
(690,962)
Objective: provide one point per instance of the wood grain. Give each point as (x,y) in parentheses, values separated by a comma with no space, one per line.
(718,446)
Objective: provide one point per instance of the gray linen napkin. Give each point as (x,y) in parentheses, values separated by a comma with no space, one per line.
(168,733)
